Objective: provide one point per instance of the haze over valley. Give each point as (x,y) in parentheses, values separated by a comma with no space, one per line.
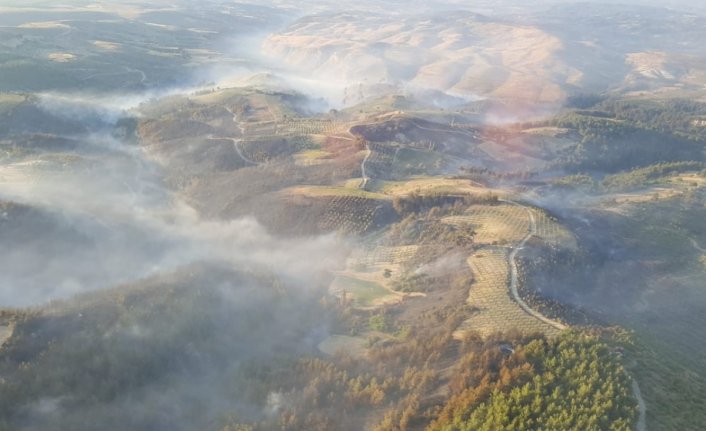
(375,215)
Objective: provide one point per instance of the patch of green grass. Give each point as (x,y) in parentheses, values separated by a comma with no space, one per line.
(364,293)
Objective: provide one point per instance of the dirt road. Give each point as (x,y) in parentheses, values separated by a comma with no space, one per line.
(514,277)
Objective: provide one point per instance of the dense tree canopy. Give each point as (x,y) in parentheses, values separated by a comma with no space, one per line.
(576,385)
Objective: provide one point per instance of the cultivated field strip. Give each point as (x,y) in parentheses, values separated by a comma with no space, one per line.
(312,127)
(260,129)
(489,295)
(494,224)
(508,224)
(553,233)
(382,255)
(379,164)
(504,229)
(349,214)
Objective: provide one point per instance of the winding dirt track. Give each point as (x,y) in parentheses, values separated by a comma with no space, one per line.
(236,142)
(365,179)
(696,245)
(514,277)
(642,405)
(143,76)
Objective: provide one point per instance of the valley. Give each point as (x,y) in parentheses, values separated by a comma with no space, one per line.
(305,216)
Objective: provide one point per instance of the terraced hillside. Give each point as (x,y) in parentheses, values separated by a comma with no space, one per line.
(495,224)
(396,157)
(502,231)
(495,309)
(383,226)
(429,250)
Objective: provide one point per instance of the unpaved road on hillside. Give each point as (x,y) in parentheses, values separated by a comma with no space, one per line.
(514,277)
(236,144)
(365,179)
(236,141)
(696,245)
(642,406)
